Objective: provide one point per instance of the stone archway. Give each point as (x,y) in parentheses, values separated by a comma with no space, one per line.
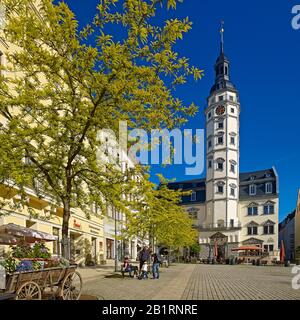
(220,241)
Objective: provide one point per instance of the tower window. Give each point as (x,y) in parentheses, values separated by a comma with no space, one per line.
(232,192)
(252,190)
(226,71)
(209,144)
(232,140)
(209,164)
(220,189)
(193,196)
(232,168)
(209,115)
(221,98)
(231,98)
(221,124)
(232,109)
(220,166)
(220,140)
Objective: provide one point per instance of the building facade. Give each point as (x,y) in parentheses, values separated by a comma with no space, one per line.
(297,229)
(287,235)
(230,208)
(94,236)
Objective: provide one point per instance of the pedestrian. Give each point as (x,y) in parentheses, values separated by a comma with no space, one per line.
(155,266)
(143,257)
(144,271)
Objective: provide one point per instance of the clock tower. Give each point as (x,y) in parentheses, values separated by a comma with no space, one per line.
(222,152)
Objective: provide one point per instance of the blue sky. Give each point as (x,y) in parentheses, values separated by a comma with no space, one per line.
(264,52)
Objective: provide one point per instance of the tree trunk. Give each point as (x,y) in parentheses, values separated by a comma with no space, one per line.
(65,230)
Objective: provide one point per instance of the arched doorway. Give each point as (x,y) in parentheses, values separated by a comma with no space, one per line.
(218,246)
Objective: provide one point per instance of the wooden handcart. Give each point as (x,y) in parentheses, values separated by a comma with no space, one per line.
(56,283)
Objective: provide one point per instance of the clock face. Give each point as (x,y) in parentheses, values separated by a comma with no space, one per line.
(220,110)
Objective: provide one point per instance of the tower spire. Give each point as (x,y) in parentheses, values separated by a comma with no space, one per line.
(222,30)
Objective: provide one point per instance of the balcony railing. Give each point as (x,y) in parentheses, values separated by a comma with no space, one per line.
(219,227)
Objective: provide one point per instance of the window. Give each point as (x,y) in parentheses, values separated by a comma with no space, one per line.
(252,230)
(226,71)
(232,168)
(232,192)
(252,190)
(193,196)
(269,187)
(220,189)
(209,164)
(232,109)
(209,144)
(232,140)
(269,229)
(269,248)
(220,140)
(221,124)
(269,209)
(252,211)
(209,115)
(221,98)
(231,98)
(220,164)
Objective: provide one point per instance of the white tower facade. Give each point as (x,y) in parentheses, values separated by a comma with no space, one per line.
(222,152)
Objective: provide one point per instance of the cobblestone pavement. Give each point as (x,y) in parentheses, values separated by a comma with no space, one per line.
(196,282)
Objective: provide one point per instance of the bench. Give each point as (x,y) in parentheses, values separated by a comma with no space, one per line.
(133,270)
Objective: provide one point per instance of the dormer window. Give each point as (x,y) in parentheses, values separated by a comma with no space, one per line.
(269,187)
(252,190)
(267,175)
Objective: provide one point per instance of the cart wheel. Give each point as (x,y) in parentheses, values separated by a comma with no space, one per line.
(29,291)
(71,286)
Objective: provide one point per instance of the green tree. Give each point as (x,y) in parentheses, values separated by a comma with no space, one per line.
(64,84)
(159,215)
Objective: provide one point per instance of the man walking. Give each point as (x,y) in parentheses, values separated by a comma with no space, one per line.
(143,257)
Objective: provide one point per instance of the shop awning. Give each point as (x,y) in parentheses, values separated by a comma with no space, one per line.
(7,239)
(27,234)
(246,248)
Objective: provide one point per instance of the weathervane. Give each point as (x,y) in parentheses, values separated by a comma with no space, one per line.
(222,30)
